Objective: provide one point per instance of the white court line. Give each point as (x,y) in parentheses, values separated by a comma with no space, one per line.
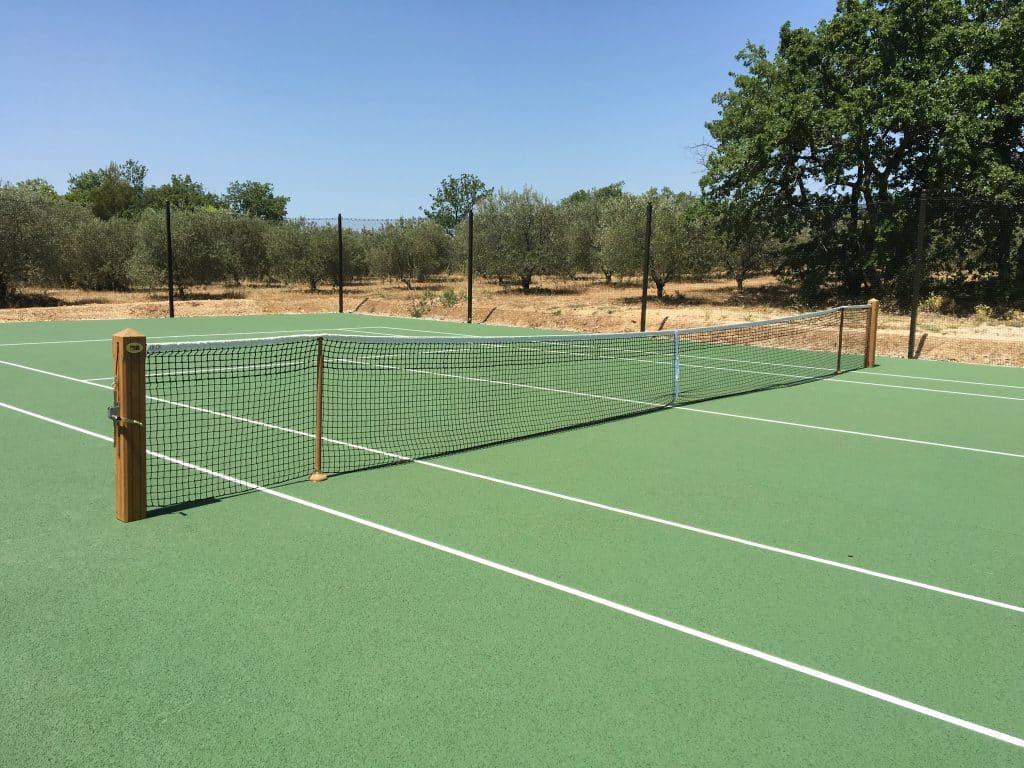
(651,618)
(90,382)
(876,436)
(945,381)
(56,422)
(925,389)
(203,336)
(496,337)
(585,502)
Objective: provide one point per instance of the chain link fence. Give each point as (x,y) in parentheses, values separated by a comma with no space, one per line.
(957,294)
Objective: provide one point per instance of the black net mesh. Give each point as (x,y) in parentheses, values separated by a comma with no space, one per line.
(246,410)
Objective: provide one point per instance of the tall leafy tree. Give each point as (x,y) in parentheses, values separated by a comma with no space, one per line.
(182,192)
(117,189)
(454,198)
(256,198)
(833,140)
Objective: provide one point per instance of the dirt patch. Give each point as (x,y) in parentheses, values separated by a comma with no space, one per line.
(583,304)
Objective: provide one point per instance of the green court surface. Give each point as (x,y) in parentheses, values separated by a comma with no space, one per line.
(824,574)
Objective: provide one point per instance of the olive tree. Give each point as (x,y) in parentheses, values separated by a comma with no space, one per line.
(517,237)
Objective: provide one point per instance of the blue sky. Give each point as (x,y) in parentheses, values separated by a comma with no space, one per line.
(364,107)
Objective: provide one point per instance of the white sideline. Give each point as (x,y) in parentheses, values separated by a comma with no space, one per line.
(945,381)
(593,504)
(874,435)
(923,389)
(707,637)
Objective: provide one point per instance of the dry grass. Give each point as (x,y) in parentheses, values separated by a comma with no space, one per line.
(583,304)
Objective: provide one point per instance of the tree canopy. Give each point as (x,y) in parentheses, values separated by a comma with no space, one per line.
(830,144)
(454,198)
(119,188)
(256,198)
(182,192)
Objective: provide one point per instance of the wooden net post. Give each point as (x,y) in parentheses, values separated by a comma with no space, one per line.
(318,474)
(129,416)
(872,334)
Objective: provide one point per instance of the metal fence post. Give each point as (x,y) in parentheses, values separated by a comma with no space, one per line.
(170,262)
(647,267)
(469,272)
(918,273)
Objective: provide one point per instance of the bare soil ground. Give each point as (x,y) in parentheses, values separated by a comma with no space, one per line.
(582,304)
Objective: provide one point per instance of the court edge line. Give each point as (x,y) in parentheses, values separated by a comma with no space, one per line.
(592,504)
(874,435)
(870,372)
(590,597)
(587,503)
(924,389)
(572,591)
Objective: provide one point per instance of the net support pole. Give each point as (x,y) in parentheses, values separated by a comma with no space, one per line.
(170,263)
(318,475)
(675,367)
(839,347)
(647,266)
(469,272)
(871,337)
(129,416)
(341,269)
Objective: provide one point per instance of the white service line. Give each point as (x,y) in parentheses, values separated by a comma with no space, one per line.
(586,502)
(431,332)
(870,372)
(651,618)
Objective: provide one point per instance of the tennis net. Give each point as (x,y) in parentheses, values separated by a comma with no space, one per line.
(271,411)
